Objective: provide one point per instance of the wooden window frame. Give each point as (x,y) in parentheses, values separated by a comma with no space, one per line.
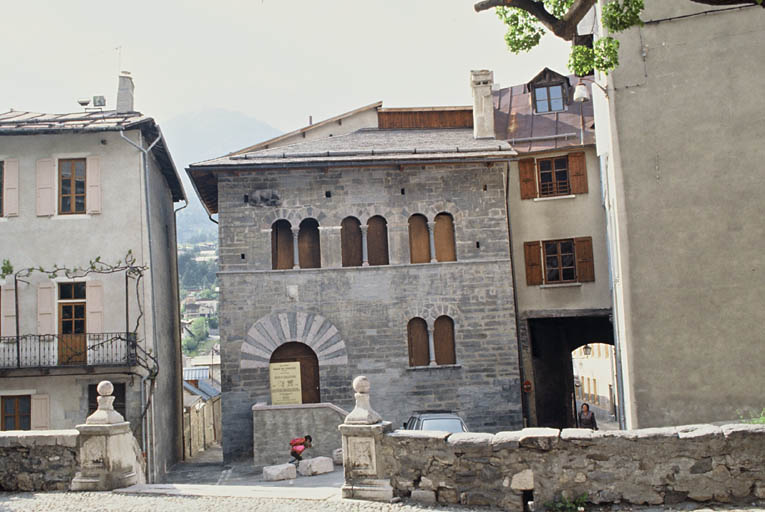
(73,195)
(547,88)
(558,188)
(17,412)
(560,266)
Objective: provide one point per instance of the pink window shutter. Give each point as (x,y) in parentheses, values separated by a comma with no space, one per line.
(94,292)
(10,188)
(93,179)
(45,308)
(46,177)
(8,307)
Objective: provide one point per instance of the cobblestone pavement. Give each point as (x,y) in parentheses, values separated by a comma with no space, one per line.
(104,501)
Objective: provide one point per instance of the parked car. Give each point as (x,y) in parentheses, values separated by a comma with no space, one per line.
(438,420)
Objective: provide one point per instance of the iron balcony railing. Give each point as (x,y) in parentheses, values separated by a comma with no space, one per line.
(68,350)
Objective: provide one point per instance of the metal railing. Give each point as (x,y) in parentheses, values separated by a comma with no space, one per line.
(68,350)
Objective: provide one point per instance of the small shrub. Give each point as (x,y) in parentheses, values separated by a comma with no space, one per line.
(562,504)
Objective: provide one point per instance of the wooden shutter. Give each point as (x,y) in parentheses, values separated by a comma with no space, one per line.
(533,254)
(377,241)
(281,245)
(443,232)
(309,245)
(10,188)
(46,176)
(350,242)
(577,172)
(527,173)
(94,306)
(443,340)
(45,306)
(40,412)
(8,311)
(419,239)
(417,334)
(93,180)
(585,266)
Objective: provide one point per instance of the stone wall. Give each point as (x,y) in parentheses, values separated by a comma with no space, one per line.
(649,466)
(38,460)
(275,425)
(369,307)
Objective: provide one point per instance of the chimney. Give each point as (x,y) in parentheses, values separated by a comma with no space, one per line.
(482,81)
(125,93)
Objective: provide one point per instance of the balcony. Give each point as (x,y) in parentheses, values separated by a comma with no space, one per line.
(68,350)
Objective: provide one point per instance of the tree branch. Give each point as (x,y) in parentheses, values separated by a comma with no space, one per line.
(564,27)
(728,2)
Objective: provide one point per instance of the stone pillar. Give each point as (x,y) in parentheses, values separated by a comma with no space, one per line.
(431,347)
(366,476)
(295,248)
(432,239)
(108,453)
(364,250)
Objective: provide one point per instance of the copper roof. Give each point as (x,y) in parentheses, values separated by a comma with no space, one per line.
(528,132)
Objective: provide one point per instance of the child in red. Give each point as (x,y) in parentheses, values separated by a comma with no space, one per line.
(298,446)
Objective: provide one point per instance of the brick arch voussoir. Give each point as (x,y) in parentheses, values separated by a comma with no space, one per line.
(276,329)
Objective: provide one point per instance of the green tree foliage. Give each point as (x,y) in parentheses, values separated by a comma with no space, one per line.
(198,334)
(525,30)
(196,274)
(528,20)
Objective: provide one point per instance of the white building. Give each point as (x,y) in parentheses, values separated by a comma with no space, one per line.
(76,187)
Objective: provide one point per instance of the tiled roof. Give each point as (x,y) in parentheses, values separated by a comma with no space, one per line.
(17,122)
(528,132)
(196,373)
(373,145)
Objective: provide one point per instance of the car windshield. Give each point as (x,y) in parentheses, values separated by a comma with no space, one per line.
(445,424)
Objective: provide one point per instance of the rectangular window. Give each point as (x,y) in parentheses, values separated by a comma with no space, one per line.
(560,261)
(549,99)
(553,177)
(71,186)
(17,412)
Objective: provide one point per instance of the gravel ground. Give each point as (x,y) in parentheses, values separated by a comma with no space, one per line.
(104,501)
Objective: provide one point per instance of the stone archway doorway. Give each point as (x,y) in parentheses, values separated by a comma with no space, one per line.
(309,368)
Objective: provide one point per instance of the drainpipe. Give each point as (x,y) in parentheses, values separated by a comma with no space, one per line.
(145,161)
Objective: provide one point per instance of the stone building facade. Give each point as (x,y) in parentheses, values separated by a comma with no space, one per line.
(439,334)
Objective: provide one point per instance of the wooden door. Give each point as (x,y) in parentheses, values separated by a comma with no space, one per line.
(309,368)
(419,240)
(72,344)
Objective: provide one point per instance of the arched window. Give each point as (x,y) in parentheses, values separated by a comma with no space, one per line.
(419,241)
(417,335)
(377,240)
(309,248)
(281,245)
(350,239)
(443,340)
(444,238)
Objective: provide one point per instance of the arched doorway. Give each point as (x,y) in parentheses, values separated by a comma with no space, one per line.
(309,368)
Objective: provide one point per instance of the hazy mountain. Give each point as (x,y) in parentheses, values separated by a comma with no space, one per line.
(202,135)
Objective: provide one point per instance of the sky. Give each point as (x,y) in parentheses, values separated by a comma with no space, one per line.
(277,61)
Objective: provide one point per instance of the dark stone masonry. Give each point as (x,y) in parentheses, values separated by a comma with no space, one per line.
(355,318)
(38,460)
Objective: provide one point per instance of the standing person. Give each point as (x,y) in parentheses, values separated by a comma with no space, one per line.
(587,418)
(298,446)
